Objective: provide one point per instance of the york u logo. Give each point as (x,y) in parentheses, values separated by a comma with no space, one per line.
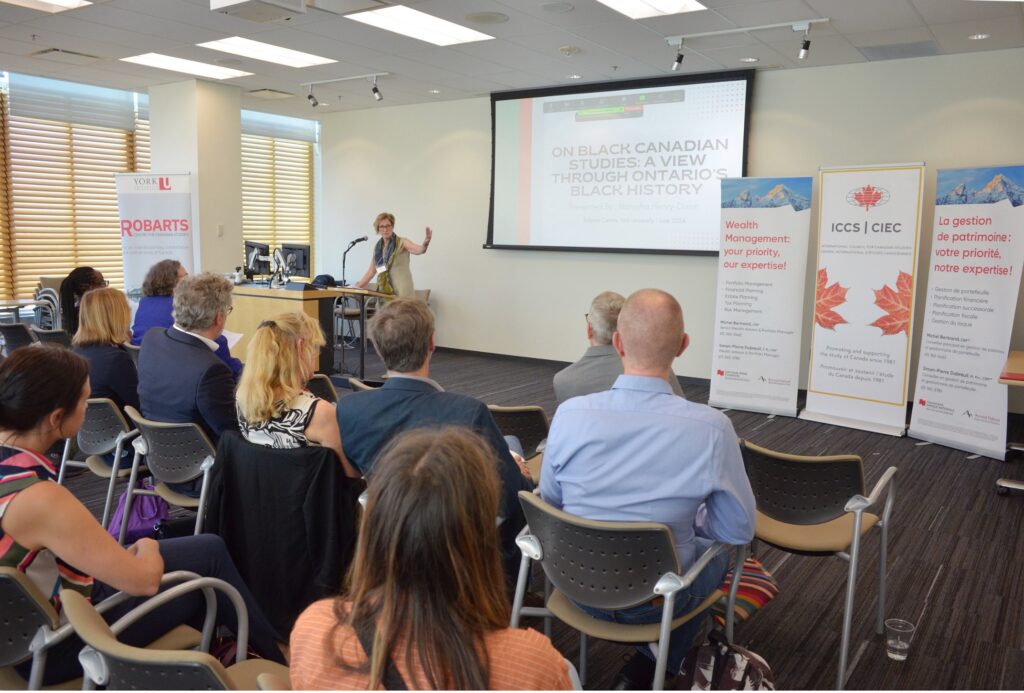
(164,183)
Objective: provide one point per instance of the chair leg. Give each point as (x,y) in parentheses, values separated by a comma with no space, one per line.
(64,462)
(114,468)
(201,510)
(129,495)
(547,596)
(663,640)
(851,587)
(730,609)
(517,602)
(583,658)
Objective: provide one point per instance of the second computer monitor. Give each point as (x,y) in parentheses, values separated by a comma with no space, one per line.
(296,259)
(255,250)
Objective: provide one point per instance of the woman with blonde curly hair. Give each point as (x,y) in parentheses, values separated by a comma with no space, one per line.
(274,407)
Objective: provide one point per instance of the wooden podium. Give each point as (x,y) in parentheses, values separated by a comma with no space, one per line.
(254,304)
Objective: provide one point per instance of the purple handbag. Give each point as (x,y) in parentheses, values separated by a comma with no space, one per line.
(147,512)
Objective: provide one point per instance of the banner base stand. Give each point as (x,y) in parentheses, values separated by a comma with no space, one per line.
(897,431)
(756,410)
(955,444)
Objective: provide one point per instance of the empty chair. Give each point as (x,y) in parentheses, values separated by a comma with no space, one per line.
(111,663)
(30,627)
(56,336)
(358,385)
(598,564)
(817,506)
(48,315)
(103,431)
(15,336)
(175,453)
(527,423)
(321,386)
(133,351)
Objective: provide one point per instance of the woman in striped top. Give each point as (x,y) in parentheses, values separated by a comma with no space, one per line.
(426,600)
(46,533)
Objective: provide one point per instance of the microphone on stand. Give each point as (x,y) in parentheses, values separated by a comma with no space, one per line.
(345,254)
(358,240)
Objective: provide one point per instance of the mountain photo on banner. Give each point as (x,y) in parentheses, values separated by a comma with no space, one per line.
(763,193)
(977,186)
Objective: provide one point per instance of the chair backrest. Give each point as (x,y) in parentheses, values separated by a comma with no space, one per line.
(422,295)
(133,351)
(800,489)
(360,385)
(607,565)
(528,423)
(15,336)
(48,315)
(176,451)
(321,386)
(132,668)
(53,336)
(103,424)
(52,283)
(24,611)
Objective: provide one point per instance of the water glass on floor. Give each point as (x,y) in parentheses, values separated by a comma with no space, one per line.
(898,634)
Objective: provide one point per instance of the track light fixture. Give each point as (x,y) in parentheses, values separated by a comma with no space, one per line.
(803,26)
(805,47)
(376,92)
(677,43)
(371,78)
(312,98)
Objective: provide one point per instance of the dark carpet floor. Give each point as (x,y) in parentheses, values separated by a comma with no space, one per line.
(953,566)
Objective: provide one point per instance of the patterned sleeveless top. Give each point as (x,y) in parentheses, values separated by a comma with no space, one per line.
(20,469)
(287,430)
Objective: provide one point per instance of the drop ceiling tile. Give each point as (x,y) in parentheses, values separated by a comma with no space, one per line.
(137,22)
(518,23)
(111,40)
(458,63)
(767,56)
(886,38)
(14,15)
(506,53)
(583,12)
(867,15)
(770,12)
(786,33)
(949,11)
(1006,32)
(706,43)
(687,23)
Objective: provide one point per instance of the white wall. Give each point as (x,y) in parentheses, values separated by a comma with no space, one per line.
(430,164)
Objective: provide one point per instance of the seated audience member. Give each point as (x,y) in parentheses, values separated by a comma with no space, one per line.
(74,286)
(156,307)
(44,530)
(181,380)
(638,453)
(403,333)
(425,590)
(600,364)
(274,407)
(103,321)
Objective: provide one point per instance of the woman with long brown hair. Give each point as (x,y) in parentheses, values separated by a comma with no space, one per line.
(426,599)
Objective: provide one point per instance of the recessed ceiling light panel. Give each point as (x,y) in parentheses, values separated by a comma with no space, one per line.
(979,37)
(641,9)
(749,60)
(418,25)
(51,6)
(236,45)
(190,67)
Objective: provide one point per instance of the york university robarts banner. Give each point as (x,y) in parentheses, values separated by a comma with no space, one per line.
(974,277)
(156,223)
(868,230)
(761,269)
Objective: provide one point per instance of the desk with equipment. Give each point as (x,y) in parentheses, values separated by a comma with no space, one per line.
(1012,375)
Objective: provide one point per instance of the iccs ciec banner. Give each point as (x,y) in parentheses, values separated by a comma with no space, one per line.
(977,253)
(868,230)
(156,223)
(761,270)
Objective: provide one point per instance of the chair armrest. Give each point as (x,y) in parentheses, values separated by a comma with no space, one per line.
(670,583)
(529,545)
(859,503)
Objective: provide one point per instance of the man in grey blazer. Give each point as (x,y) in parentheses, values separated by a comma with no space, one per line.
(600,364)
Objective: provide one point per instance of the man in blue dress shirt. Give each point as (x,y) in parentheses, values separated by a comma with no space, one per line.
(639,453)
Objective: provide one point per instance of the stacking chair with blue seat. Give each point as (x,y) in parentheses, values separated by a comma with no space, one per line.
(57,336)
(175,453)
(610,565)
(15,336)
(817,506)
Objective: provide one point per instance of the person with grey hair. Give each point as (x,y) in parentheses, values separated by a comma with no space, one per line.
(599,366)
(181,379)
(403,334)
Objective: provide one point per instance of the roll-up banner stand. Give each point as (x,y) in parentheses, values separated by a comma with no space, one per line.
(868,229)
(974,277)
(156,224)
(761,271)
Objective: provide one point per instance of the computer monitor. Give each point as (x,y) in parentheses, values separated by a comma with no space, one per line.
(253,252)
(296,259)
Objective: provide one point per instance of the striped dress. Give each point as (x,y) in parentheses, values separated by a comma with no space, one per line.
(20,469)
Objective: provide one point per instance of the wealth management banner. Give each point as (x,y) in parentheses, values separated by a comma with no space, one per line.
(977,253)
(868,230)
(156,223)
(761,269)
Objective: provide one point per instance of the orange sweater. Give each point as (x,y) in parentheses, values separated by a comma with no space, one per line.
(519,659)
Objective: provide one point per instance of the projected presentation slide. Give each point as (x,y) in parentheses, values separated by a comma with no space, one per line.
(635,169)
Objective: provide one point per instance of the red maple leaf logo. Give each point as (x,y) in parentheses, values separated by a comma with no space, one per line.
(867,197)
(825,299)
(896,305)
(921,402)
(721,372)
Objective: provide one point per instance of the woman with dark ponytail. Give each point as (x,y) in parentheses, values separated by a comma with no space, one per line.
(74,286)
(46,533)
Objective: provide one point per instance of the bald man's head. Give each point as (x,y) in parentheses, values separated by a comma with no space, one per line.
(650,331)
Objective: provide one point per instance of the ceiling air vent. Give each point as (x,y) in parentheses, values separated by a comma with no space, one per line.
(898,51)
(59,55)
(260,10)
